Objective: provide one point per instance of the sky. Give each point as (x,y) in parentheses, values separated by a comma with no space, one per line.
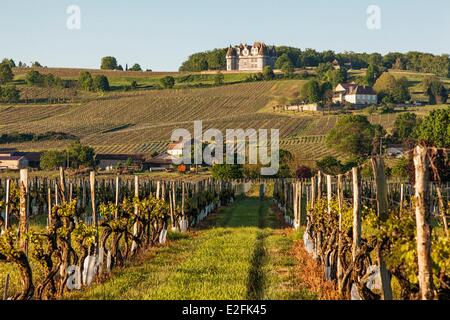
(161,34)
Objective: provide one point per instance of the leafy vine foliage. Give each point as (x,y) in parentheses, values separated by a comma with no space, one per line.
(396,238)
(70,238)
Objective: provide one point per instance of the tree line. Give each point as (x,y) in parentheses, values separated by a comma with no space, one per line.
(16,137)
(297,58)
(110,63)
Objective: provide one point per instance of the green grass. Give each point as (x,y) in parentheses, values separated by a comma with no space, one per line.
(242,255)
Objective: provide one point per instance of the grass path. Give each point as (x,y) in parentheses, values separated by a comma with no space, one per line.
(242,254)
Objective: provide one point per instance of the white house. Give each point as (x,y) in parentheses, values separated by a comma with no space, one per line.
(354,94)
(175,149)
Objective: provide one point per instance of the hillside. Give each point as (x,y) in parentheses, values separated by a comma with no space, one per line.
(139,121)
(142,121)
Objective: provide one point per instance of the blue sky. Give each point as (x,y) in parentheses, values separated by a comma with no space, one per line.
(160,34)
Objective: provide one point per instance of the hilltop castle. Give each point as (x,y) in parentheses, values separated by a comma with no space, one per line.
(251,58)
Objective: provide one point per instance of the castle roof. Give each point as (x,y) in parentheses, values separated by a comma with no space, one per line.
(353,88)
(363,90)
(231,52)
(262,48)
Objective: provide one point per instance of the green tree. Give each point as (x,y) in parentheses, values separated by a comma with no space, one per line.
(227,171)
(34,78)
(282,60)
(168,82)
(11,62)
(391,90)
(330,165)
(353,135)
(101,83)
(435,90)
(268,73)
(85,81)
(133,84)
(311,92)
(400,93)
(136,67)
(372,74)
(52,159)
(6,74)
(336,77)
(9,94)
(195,63)
(80,155)
(405,126)
(216,59)
(108,63)
(288,69)
(219,78)
(434,130)
(323,69)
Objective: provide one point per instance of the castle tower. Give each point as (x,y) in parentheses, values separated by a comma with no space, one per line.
(232,59)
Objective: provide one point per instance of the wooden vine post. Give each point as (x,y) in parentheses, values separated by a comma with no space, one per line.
(172,217)
(383,214)
(295,204)
(329,194)
(319,185)
(423,221)
(174,206)
(62,184)
(94,210)
(49,206)
(340,194)
(313,192)
(356,173)
(136,212)
(8,182)
(300,204)
(83,197)
(158,189)
(116,213)
(56,194)
(402,196)
(23,215)
(183,215)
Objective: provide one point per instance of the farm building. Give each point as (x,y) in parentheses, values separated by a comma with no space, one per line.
(160,162)
(354,94)
(112,161)
(316,107)
(175,149)
(34,158)
(14,160)
(337,65)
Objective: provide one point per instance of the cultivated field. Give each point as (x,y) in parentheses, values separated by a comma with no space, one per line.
(142,121)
